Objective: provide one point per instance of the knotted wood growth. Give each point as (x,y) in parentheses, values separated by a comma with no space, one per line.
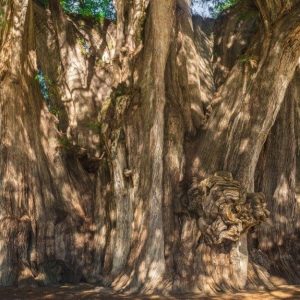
(224,213)
(224,209)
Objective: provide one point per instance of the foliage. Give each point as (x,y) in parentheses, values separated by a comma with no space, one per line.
(96,9)
(215,7)
(85,47)
(224,5)
(44,82)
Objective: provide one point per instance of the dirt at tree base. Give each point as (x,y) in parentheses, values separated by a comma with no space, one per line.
(85,291)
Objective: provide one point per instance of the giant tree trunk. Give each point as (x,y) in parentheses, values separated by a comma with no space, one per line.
(277,242)
(246,108)
(46,208)
(141,170)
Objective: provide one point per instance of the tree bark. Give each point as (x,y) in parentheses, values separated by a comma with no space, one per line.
(46,209)
(238,128)
(275,243)
(140,172)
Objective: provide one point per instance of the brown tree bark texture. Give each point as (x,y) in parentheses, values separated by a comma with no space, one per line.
(115,180)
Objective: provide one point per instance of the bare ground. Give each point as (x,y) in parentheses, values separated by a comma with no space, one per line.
(85,291)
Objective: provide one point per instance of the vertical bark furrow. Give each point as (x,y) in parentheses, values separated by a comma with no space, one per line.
(276,177)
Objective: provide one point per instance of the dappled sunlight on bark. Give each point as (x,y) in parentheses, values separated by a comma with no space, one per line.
(165,141)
